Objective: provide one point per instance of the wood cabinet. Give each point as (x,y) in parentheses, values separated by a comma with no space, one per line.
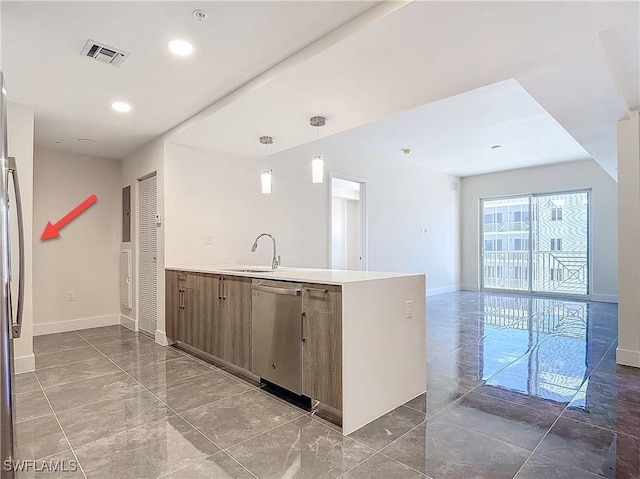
(211,313)
(235,321)
(182,307)
(322,346)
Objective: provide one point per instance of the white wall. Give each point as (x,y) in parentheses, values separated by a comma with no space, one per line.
(629,241)
(20,142)
(551,178)
(209,194)
(85,257)
(146,160)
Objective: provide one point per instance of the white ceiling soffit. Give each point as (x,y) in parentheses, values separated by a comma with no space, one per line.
(455,135)
(580,94)
(72,95)
(425,52)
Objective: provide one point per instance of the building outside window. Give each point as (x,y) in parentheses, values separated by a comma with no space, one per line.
(556,213)
(555,274)
(556,244)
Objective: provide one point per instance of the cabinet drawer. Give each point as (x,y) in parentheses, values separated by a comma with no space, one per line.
(182,279)
(321,297)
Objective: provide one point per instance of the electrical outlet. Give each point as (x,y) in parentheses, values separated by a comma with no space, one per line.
(408,309)
(71,295)
(207,239)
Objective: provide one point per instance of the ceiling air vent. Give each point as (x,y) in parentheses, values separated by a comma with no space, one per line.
(104,53)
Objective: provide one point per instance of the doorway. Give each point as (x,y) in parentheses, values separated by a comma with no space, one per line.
(348,223)
(536,243)
(148,253)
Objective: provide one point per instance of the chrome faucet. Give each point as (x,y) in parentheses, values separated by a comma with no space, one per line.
(275,262)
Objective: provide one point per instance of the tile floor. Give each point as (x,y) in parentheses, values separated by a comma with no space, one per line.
(517,387)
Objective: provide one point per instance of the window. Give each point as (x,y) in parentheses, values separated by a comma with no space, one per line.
(556,244)
(556,213)
(520,272)
(499,245)
(521,244)
(488,245)
(556,274)
(519,216)
(495,217)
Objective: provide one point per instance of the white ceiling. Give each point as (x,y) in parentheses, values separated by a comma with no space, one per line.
(445,136)
(428,51)
(576,59)
(72,95)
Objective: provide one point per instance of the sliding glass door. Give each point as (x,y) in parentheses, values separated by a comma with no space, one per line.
(536,243)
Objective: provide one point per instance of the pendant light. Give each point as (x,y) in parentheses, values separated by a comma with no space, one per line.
(317,160)
(265,176)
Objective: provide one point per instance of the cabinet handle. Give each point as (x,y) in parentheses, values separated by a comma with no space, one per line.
(304,327)
(224,291)
(219,286)
(181,299)
(318,290)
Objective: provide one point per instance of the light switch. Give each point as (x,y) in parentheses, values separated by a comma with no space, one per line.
(409,309)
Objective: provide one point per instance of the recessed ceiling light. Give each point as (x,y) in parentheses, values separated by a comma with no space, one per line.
(495,147)
(406,151)
(181,48)
(86,140)
(121,107)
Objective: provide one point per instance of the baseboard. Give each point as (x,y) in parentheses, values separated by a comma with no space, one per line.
(469,287)
(604,298)
(161,338)
(628,358)
(443,290)
(75,324)
(24,364)
(128,322)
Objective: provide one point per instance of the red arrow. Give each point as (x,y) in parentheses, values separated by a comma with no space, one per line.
(52,231)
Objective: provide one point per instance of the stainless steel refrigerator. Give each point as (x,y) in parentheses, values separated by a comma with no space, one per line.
(10,320)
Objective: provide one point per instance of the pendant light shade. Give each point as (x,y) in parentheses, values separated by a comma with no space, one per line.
(317,169)
(265,179)
(265,176)
(317,160)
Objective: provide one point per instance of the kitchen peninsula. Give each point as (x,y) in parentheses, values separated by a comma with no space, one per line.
(356,343)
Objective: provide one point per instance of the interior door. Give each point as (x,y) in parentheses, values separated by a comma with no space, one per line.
(148,251)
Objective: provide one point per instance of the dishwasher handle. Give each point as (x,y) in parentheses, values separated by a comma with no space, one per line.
(275,290)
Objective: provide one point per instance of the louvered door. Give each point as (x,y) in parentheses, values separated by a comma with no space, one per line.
(148,246)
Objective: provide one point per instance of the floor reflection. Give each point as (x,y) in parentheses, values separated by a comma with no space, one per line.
(537,373)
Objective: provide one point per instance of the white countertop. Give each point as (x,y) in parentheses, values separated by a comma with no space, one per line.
(303,275)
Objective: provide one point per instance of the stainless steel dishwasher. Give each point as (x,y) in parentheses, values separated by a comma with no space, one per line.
(276,313)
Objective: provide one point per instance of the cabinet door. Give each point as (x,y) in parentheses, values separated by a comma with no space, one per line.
(322,357)
(235,327)
(211,311)
(191,322)
(173,311)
